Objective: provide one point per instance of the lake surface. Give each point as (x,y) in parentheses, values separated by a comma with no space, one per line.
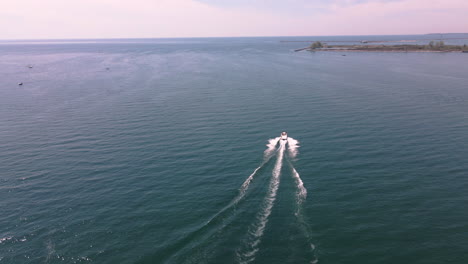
(154,151)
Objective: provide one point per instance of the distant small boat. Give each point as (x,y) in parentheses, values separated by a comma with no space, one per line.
(30,66)
(20,83)
(284,136)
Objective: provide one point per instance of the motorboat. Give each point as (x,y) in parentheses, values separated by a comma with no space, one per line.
(284,136)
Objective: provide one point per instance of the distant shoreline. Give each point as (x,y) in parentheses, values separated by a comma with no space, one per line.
(391,51)
(436,47)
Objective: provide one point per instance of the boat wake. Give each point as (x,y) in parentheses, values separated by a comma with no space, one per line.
(293,146)
(267,154)
(255,233)
(202,244)
(301,193)
(301,196)
(251,244)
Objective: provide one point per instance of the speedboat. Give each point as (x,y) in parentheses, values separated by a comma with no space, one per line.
(284,136)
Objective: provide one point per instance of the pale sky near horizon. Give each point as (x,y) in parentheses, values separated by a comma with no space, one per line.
(43,19)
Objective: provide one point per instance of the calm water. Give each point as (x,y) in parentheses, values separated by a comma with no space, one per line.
(153,151)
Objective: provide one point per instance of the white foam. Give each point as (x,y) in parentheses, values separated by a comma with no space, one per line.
(271,147)
(301,193)
(267,154)
(5,239)
(246,183)
(256,230)
(293,146)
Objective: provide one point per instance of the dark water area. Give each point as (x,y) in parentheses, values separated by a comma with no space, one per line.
(153,151)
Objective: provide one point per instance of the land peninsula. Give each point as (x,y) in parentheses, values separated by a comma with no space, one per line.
(433,46)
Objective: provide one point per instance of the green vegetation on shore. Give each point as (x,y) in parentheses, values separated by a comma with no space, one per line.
(433,46)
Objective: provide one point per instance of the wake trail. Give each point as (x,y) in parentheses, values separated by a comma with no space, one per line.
(256,230)
(293,146)
(301,196)
(267,155)
(301,193)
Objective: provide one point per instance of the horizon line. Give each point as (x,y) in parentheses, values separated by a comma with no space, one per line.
(263,36)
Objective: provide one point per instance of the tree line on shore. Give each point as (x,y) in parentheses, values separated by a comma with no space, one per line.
(432,45)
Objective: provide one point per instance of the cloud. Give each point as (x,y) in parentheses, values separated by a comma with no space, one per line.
(398,17)
(140,18)
(296,7)
(211,18)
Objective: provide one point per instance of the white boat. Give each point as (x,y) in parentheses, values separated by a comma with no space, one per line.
(284,136)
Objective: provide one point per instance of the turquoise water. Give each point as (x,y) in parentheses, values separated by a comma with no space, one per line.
(154,151)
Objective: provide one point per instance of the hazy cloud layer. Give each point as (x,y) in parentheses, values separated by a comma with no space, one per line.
(205,18)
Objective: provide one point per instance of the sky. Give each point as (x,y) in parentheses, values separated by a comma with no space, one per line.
(62,19)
